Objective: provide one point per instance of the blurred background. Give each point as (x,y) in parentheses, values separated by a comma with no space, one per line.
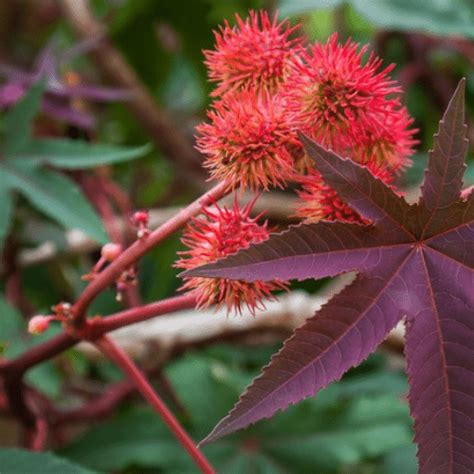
(358,425)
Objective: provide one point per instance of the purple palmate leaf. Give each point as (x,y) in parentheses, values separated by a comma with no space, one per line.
(440,359)
(415,261)
(341,335)
(309,251)
(442,185)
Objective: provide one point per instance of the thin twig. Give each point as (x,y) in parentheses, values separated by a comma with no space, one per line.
(139,248)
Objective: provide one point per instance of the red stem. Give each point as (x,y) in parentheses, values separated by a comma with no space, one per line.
(37,354)
(94,328)
(40,436)
(13,370)
(116,354)
(140,247)
(100,326)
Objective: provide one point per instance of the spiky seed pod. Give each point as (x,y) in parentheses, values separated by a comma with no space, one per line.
(222,231)
(347,104)
(255,54)
(248,141)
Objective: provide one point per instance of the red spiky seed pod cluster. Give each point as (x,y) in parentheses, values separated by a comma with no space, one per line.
(269,87)
(342,101)
(219,232)
(352,107)
(329,91)
(248,140)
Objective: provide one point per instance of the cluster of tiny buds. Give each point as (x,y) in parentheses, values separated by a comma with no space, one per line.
(62,310)
(40,323)
(140,221)
(127,279)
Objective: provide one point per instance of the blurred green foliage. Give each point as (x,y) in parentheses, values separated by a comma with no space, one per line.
(26,462)
(360,424)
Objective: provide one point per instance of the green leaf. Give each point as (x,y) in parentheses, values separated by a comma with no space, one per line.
(360,421)
(19,461)
(361,429)
(292,7)
(401,459)
(218,385)
(17,121)
(57,196)
(6,208)
(11,322)
(76,154)
(135,437)
(442,17)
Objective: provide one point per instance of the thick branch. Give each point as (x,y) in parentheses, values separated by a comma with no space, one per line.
(95,328)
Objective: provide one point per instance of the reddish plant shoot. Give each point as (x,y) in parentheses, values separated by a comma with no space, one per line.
(39,324)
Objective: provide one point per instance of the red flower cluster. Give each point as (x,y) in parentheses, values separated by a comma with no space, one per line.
(221,232)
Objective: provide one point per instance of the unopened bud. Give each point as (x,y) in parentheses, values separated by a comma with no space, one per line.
(140,218)
(38,324)
(111,251)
